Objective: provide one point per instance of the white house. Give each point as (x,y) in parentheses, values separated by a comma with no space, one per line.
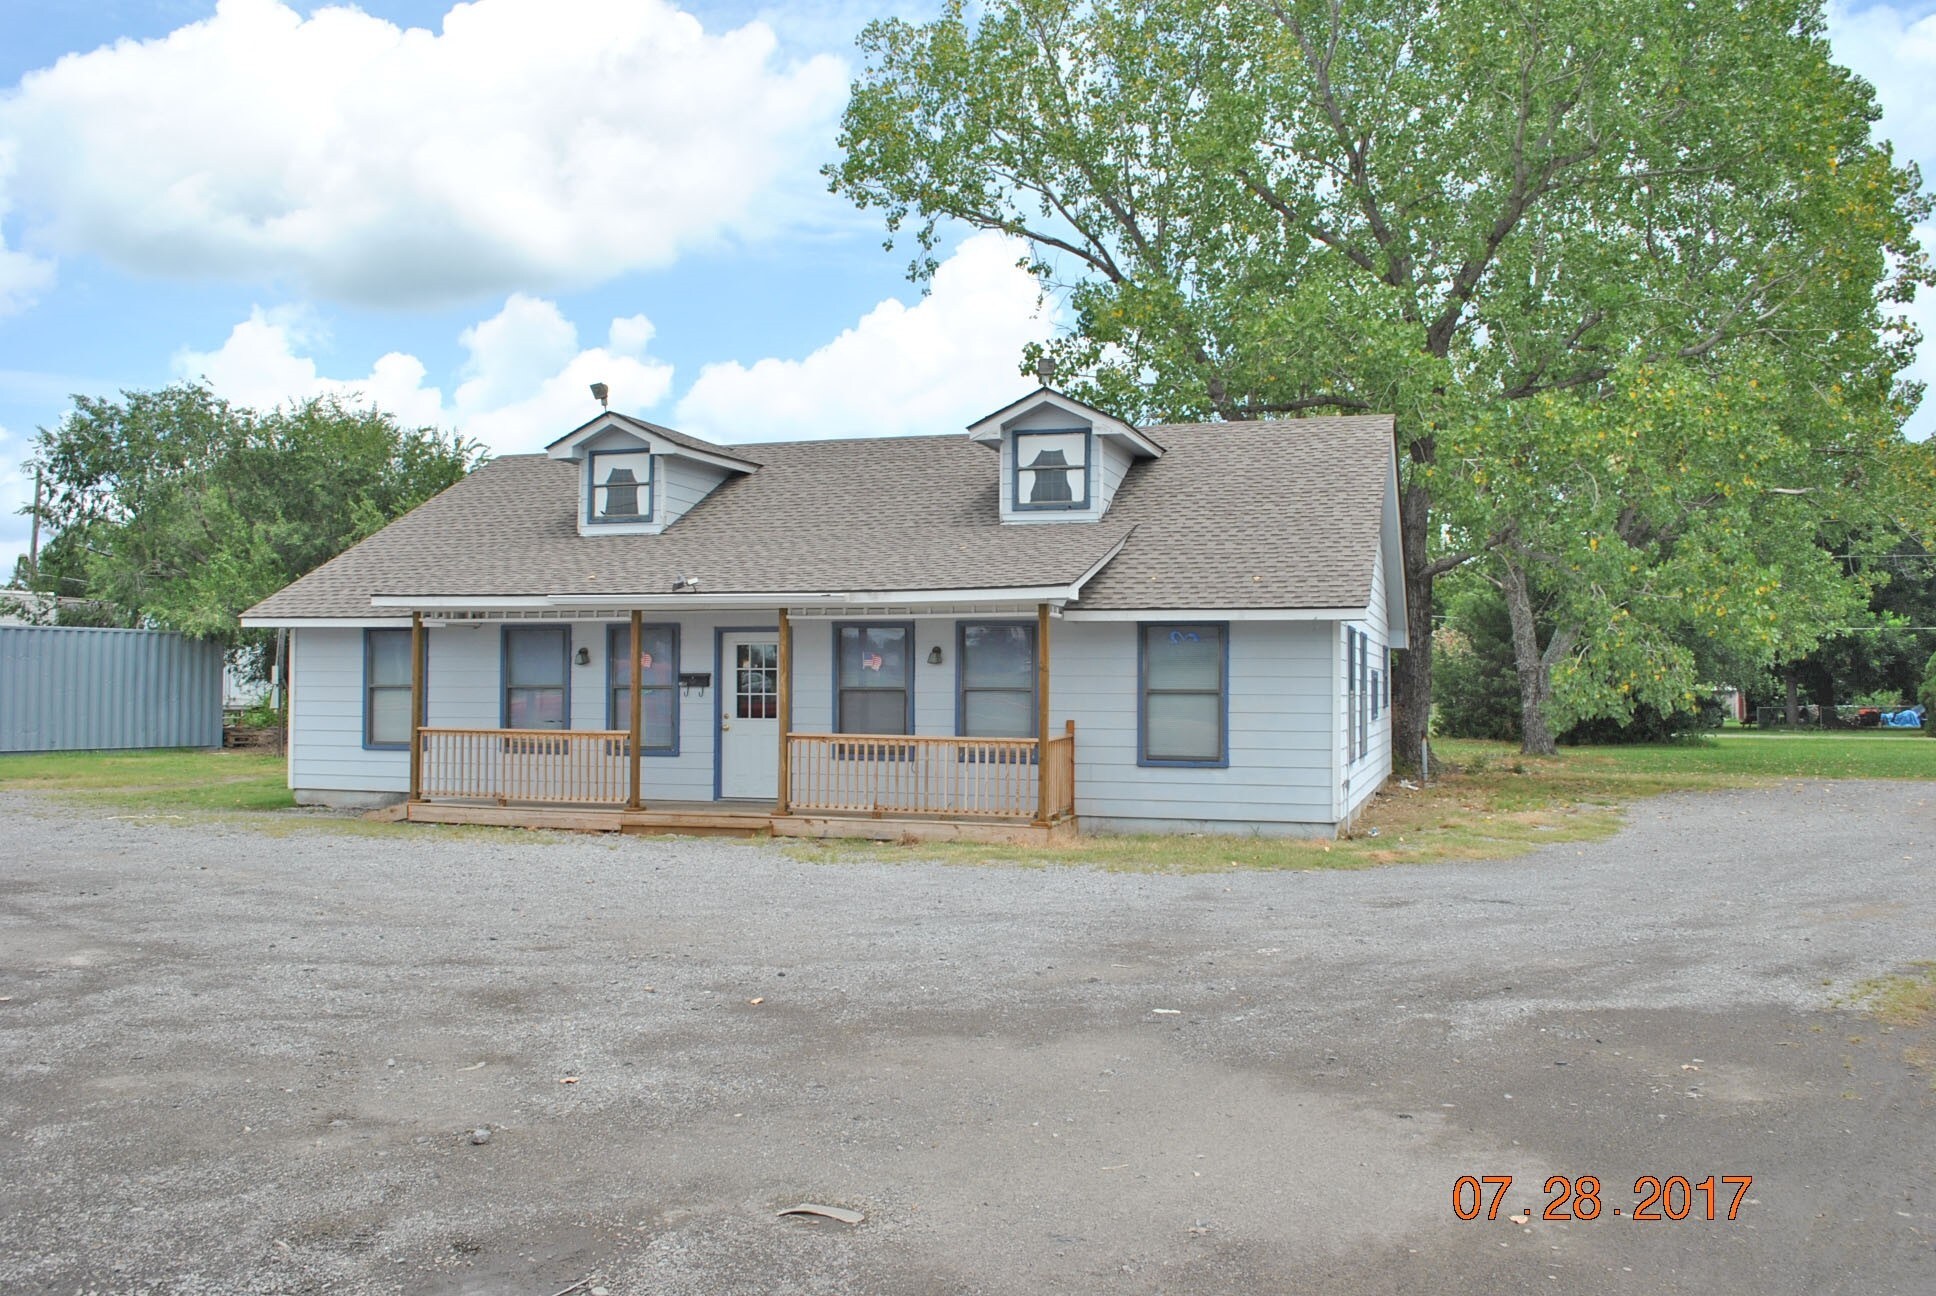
(1058,618)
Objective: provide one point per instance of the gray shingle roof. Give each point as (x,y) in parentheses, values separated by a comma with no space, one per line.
(1268,515)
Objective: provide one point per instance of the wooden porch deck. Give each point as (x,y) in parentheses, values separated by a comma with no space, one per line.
(884,787)
(741,819)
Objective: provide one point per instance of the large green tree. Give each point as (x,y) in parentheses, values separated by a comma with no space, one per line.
(1440,211)
(175,508)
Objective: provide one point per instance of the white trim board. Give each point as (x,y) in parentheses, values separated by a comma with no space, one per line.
(1212,614)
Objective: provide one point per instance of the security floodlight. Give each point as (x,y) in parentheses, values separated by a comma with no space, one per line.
(600,392)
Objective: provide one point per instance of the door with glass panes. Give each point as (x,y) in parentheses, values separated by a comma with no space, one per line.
(749,716)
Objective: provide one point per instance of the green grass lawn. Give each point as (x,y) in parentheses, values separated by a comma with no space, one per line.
(183,781)
(1905,753)
(1487,801)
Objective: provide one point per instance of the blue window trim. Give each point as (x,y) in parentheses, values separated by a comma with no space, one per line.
(1143,757)
(961,666)
(649,486)
(504,669)
(721,693)
(1088,471)
(621,633)
(838,626)
(376,630)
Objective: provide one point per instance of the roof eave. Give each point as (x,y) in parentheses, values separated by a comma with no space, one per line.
(990,428)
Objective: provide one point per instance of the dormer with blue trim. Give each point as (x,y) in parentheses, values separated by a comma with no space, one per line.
(637,478)
(1061,460)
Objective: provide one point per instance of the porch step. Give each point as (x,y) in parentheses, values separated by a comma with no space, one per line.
(924,830)
(712,820)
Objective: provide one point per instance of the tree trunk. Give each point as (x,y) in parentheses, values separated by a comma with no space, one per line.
(1792,699)
(1412,668)
(1534,666)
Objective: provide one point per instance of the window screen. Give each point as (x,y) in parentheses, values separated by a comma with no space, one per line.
(871,669)
(536,661)
(621,485)
(1052,470)
(997,680)
(386,688)
(658,685)
(1183,693)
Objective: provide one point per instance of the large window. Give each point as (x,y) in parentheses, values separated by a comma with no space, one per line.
(1052,470)
(997,680)
(658,675)
(621,486)
(537,666)
(1185,694)
(873,679)
(386,688)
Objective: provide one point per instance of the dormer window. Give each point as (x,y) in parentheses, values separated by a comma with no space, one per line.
(621,486)
(1052,469)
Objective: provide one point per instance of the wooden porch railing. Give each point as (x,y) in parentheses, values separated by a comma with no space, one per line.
(552,766)
(1003,778)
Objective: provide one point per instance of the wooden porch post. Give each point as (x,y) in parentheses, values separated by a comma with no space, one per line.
(785,704)
(632,748)
(1042,713)
(416,704)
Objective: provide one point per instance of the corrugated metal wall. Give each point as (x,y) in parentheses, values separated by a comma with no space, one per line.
(74,688)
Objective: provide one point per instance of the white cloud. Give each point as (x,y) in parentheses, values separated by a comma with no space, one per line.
(16,493)
(526,381)
(526,378)
(22,277)
(528,143)
(931,367)
(1894,48)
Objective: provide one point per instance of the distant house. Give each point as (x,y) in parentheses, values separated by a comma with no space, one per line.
(1058,618)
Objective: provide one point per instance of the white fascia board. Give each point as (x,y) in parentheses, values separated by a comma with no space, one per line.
(1032,594)
(1391,536)
(571,445)
(991,429)
(463,603)
(1212,614)
(1053,594)
(323,623)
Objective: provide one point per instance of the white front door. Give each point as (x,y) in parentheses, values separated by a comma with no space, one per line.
(749,716)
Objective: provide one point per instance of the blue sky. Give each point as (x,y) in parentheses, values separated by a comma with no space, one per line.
(649,215)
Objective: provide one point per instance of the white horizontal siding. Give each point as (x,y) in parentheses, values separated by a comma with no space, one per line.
(1280,777)
(1364,776)
(1115,466)
(1280,726)
(684,484)
(326,718)
(464,690)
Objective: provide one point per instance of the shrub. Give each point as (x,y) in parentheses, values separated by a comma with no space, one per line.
(1475,688)
(1648,725)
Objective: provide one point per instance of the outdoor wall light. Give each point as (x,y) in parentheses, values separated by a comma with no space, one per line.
(584,656)
(934,655)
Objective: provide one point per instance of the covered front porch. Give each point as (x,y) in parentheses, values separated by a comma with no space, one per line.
(771,773)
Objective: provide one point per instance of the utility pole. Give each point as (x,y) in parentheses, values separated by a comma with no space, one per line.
(33,544)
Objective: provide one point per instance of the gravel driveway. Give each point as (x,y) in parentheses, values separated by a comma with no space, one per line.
(243,1062)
